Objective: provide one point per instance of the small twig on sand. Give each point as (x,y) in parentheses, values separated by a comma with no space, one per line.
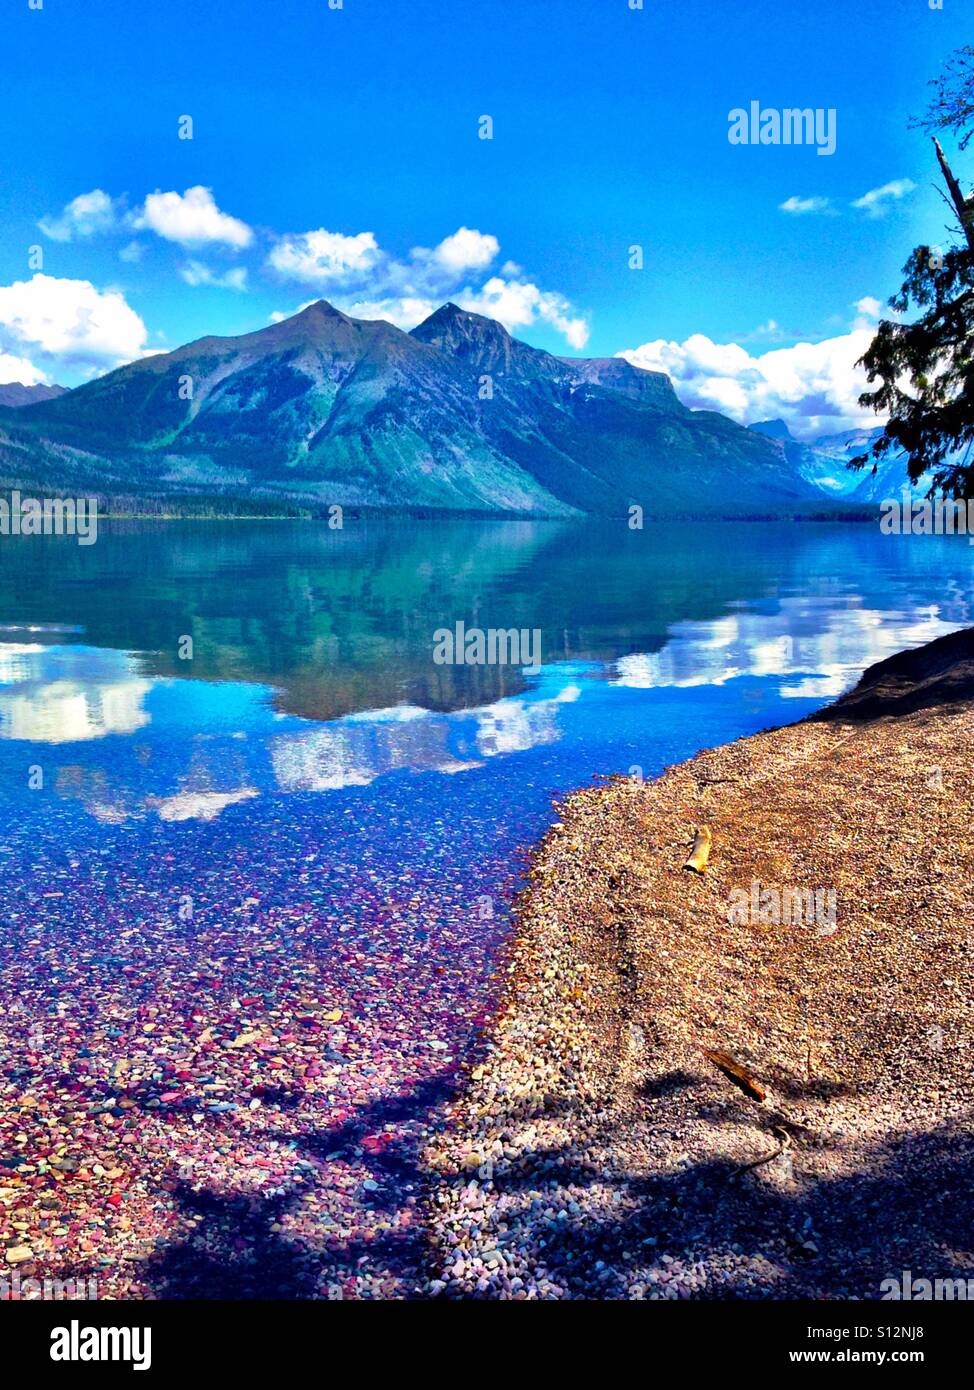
(768,1158)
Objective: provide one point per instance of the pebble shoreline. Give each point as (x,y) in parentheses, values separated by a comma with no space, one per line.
(596,1152)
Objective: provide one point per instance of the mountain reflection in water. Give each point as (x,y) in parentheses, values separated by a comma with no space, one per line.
(312,664)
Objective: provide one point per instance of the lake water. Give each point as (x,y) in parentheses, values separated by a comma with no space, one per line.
(257,892)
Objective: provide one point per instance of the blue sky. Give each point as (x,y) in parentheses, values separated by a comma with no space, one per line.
(336,154)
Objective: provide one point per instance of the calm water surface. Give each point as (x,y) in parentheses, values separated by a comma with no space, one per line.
(310,808)
(311,727)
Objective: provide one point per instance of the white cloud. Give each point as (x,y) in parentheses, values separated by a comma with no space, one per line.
(363,279)
(868,312)
(405,312)
(518,304)
(192,219)
(86,215)
(515,304)
(370,284)
(464,250)
(324,258)
(815,387)
(70,321)
(770,331)
(196,273)
(800,206)
(877,200)
(20,369)
(331,258)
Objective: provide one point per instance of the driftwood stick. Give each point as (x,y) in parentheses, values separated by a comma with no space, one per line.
(768,1158)
(700,853)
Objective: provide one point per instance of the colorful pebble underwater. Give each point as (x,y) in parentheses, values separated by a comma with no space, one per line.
(247,951)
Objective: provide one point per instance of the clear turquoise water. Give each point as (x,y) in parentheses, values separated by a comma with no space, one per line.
(310,813)
(312,719)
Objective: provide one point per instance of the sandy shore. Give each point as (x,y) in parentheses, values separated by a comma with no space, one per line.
(597,1151)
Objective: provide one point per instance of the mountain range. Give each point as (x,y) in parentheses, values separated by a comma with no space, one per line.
(15,394)
(455,416)
(823,462)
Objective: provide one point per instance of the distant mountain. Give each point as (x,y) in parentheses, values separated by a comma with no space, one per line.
(890,477)
(820,462)
(616,374)
(864,486)
(823,462)
(774,429)
(15,395)
(322,408)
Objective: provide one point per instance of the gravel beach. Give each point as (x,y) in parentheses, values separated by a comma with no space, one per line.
(751,1082)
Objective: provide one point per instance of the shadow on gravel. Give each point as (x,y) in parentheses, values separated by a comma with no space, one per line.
(233,1252)
(912,1211)
(670,1083)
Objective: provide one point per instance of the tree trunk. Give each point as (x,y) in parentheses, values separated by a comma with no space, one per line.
(965,209)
